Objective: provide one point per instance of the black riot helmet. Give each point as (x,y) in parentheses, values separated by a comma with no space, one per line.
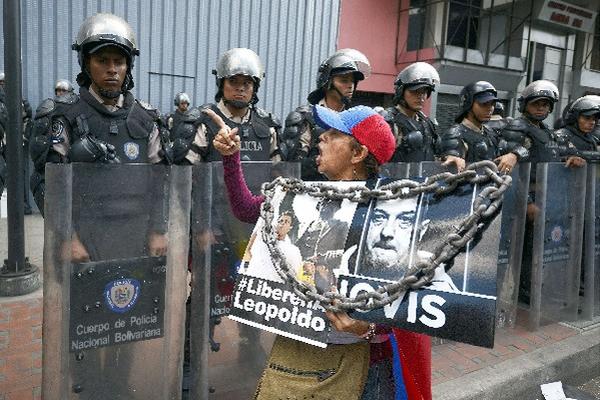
(541,89)
(480,91)
(586,105)
(413,77)
(102,30)
(499,109)
(239,61)
(342,62)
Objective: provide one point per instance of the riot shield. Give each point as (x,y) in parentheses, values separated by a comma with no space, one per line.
(115,252)
(590,306)
(511,237)
(227,357)
(557,215)
(510,253)
(395,170)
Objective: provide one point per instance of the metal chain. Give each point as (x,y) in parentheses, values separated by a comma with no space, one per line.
(487,202)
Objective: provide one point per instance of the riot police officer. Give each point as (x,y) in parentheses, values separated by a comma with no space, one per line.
(182,126)
(104,123)
(62,87)
(337,79)
(536,102)
(239,73)
(497,121)
(471,140)
(580,121)
(416,135)
(182,105)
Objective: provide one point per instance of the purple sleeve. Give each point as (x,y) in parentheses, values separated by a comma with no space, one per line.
(245,205)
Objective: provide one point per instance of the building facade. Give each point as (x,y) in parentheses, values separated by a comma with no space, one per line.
(506,42)
(180,42)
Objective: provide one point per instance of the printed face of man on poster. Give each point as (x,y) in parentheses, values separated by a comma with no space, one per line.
(388,240)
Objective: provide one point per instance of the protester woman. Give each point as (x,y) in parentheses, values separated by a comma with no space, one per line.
(356,142)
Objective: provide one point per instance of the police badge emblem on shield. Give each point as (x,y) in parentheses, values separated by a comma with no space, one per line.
(131,150)
(121,295)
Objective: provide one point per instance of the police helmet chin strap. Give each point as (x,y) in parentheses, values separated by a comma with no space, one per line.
(237,104)
(346,101)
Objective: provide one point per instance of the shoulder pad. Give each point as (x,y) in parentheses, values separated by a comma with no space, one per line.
(306,108)
(146,106)
(68,98)
(390,114)
(153,111)
(517,124)
(268,116)
(45,108)
(294,118)
(454,132)
(193,114)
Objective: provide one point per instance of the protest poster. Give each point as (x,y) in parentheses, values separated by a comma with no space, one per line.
(358,247)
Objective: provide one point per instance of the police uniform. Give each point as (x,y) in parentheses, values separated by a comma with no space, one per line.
(130,127)
(581,141)
(301,139)
(257,130)
(184,130)
(416,138)
(539,141)
(467,141)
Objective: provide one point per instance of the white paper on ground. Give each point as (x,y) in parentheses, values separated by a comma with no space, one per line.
(554,391)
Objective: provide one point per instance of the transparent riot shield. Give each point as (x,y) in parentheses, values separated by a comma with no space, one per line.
(557,215)
(429,168)
(459,271)
(511,237)
(227,357)
(510,252)
(395,170)
(115,256)
(590,303)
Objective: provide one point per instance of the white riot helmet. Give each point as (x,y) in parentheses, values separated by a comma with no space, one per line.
(63,84)
(102,30)
(239,61)
(181,97)
(413,77)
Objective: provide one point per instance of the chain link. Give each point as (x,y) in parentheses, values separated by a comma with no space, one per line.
(486,203)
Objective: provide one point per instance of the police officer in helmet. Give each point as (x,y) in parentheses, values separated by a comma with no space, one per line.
(536,102)
(337,79)
(104,123)
(62,87)
(183,125)
(580,121)
(416,136)
(182,105)
(239,73)
(471,140)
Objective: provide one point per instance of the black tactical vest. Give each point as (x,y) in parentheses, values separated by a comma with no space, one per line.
(255,135)
(543,146)
(128,128)
(480,146)
(416,139)
(581,141)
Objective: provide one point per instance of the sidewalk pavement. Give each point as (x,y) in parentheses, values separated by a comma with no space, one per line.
(519,362)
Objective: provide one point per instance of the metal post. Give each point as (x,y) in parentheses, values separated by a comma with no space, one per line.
(17,276)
